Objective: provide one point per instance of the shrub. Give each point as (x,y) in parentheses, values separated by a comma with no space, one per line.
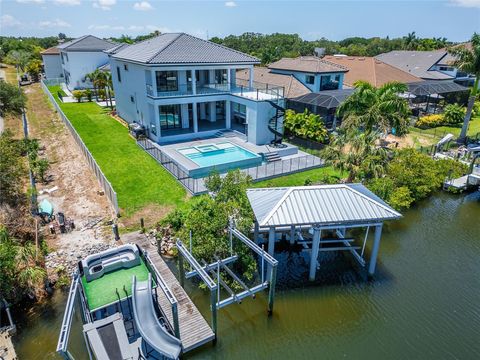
(305,125)
(78,94)
(453,114)
(88,94)
(429,121)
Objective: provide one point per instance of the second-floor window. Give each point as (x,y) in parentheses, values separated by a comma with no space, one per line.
(310,79)
(167,81)
(119,76)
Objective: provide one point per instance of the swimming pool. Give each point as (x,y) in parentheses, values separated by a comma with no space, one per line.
(220,157)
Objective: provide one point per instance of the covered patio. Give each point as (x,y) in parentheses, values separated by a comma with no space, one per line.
(320,218)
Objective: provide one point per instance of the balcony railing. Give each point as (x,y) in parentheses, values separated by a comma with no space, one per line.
(259,91)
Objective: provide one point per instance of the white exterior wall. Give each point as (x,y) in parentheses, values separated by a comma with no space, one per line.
(80,64)
(145,109)
(301,76)
(52,65)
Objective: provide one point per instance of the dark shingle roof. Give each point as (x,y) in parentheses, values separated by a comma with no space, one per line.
(87,43)
(417,63)
(180,48)
(309,64)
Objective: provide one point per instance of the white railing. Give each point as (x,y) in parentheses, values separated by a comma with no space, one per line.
(102,179)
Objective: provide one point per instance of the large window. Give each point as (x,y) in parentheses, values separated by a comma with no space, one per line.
(221,76)
(310,79)
(119,77)
(220,110)
(167,81)
(170,117)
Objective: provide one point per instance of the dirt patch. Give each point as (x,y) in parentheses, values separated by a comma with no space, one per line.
(150,214)
(74,188)
(408,141)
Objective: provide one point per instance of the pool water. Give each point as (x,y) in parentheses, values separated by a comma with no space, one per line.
(220,156)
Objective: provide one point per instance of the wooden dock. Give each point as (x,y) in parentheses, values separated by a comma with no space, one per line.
(7,351)
(194,329)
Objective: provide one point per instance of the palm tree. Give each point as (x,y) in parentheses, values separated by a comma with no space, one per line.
(109,82)
(356,152)
(410,42)
(93,79)
(468,60)
(376,109)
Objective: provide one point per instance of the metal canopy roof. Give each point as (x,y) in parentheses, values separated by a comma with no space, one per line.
(329,99)
(429,87)
(320,205)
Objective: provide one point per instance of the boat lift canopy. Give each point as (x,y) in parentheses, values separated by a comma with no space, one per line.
(318,208)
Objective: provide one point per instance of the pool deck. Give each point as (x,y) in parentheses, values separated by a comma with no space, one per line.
(7,351)
(194,329)
(188,165)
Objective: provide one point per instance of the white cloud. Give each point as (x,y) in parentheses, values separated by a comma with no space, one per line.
(107,27)
(57,23)
(104,4)
(8,21)
(230,4)
(67,2)
(466,3)
(30,1)
(142,6)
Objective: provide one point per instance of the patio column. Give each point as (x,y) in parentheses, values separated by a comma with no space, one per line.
(250,77)
(317,232)
(195,117)
(376,246)
(229,85)
(202,111)
(194,81)
(292,235)
(228,114)
(255,232)
(213,111)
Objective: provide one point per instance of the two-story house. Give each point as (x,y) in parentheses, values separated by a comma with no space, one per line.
(314,72)
(80,57)
(181,87)
(52,63)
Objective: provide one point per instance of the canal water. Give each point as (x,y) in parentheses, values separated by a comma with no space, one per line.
(423,303)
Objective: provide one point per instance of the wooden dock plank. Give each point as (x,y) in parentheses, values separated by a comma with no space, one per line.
(194,329)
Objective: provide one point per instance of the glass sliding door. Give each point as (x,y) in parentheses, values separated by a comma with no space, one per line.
(170,117)
(167,81)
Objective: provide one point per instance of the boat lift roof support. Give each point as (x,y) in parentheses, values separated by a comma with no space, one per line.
(345,244)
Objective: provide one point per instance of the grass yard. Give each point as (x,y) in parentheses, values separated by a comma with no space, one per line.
(143,187)
(439,132)
(299,179)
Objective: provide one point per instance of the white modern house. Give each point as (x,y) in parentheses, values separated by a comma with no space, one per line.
(180,87)
(52,63)
(80,57)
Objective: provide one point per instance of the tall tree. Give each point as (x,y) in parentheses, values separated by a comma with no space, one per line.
(468,60)
(374,108)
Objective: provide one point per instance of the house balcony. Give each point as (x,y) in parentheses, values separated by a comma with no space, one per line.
(257,92)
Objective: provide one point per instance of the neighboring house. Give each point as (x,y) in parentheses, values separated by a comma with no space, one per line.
(52,63)
(82,56)
(292,86)
(314,72)
(181,87)
(371,70)
(428,65)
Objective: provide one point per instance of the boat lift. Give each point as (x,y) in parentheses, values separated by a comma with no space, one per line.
(208,272)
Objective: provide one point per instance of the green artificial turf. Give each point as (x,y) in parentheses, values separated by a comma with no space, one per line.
(101,292)
(136,177)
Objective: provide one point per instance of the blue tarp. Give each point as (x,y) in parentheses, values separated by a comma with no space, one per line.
(45,207)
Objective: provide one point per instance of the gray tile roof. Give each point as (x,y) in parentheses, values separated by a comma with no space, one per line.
(86,43)
(116,48)
(309,64)
(417,63)
(181,48)
(318,205)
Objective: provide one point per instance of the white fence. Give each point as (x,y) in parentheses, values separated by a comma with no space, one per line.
(102,179)
(257,173)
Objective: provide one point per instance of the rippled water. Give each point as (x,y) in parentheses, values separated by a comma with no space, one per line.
(423,303)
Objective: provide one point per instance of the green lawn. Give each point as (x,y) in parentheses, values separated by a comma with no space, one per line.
(439,132)
(136,177)
(298,179)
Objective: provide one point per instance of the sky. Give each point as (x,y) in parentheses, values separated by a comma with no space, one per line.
(335,20)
